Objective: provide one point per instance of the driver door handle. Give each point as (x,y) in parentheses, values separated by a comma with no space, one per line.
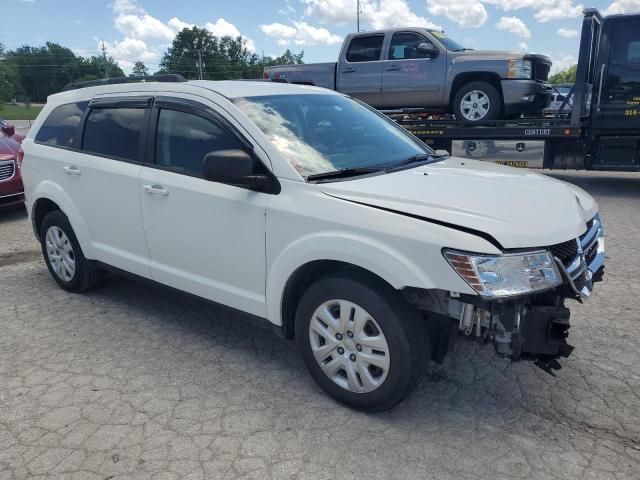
(392,67)
(347,70)
(71,170)
(157,190)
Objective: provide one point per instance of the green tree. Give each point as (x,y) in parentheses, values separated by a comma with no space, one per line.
(222,57)
(6,86)
(37,72)
(139,70)
(92,68)
(565,76)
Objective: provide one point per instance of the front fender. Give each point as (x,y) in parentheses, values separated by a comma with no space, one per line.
(380,259)
(54,192)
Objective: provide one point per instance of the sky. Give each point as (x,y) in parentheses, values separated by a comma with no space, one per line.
(143,29)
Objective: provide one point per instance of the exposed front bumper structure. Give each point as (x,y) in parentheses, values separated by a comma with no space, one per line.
(537,327)
(534,326)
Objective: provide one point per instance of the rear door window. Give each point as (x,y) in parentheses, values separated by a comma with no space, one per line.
(61,126)
(365,49)
(114,132)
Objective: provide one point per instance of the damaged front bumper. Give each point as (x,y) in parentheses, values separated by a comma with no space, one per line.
(533,327)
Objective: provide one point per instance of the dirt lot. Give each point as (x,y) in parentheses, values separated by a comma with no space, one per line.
(128,381)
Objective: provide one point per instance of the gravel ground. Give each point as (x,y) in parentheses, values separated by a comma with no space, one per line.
(129,381)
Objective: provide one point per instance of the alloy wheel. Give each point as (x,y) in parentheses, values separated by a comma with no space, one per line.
(475,105)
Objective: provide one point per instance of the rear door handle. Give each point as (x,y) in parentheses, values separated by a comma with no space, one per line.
(71,170)
(156,190)
(347,70)
(392,67)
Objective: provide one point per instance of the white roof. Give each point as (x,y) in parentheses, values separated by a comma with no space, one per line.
(227,88)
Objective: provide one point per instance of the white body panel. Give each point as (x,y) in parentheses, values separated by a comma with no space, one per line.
(517,207)
(206,238)
(240,247)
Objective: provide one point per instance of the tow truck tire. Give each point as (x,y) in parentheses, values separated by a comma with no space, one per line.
(477,101)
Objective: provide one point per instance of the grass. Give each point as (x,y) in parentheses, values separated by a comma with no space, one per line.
(19,112)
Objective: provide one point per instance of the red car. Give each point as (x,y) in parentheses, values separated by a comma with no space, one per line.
(11,189)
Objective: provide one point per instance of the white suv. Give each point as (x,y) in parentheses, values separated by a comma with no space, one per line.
(309,210)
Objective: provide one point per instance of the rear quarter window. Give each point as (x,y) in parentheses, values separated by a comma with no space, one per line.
(61,126)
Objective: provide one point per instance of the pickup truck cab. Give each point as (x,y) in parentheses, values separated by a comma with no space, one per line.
(313,214)
(423,68)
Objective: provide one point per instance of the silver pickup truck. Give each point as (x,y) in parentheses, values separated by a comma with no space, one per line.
(423,68)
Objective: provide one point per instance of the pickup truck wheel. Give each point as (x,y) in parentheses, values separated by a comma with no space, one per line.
(361,341)
(477,101)
(63,255)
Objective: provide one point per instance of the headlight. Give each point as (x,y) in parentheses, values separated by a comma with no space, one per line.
(506,275)
(519,68)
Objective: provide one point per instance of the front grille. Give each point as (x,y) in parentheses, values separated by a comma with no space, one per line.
(7,169)
(590,252)
(565,251)
(541,71)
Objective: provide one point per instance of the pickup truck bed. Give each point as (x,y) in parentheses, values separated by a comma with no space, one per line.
(318,74)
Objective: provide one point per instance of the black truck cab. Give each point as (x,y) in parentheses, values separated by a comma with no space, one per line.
(615,113)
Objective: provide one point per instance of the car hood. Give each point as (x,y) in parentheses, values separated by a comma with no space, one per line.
(8,146)
(498,55)
(518,208)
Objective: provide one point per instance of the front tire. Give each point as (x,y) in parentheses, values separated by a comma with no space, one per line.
(63,255)
(361,341)
(477,101)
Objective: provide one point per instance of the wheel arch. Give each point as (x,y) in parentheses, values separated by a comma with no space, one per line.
(305,276)
(49,196)
(462,78)
(307,260)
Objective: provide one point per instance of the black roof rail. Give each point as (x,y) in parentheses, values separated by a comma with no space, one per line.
(169,77)
(275,80)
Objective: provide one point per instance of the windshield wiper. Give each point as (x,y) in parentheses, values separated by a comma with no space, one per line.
(418,158)
(343,173)
(463,49)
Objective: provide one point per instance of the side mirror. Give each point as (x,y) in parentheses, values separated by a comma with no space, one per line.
(426,50)
(9,130)
(235,167)
(444,153)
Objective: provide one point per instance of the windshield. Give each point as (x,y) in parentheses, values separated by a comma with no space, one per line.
(447,42)
(320,133)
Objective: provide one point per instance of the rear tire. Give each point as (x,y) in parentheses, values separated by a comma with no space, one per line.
(477,101)
(63,255)
(346,321)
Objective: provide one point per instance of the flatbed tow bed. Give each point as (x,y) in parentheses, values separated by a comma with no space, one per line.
(523,129)
(602,132)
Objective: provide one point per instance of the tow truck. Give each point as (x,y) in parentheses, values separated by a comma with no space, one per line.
(602,131)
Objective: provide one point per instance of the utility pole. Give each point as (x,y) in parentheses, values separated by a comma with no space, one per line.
(199,63)
(358,15)
(104,60)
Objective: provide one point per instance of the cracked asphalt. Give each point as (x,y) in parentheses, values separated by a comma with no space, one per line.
(129,381)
